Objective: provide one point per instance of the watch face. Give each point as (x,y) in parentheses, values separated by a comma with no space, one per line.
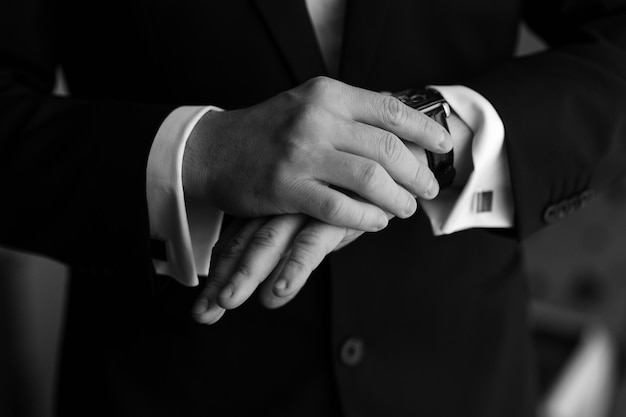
(420,99)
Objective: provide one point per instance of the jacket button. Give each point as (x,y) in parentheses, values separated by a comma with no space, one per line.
(587,196)
(570,206)
(553,214)
(558,211)
(352,351)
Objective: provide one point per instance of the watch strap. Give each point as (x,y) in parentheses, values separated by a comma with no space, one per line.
(433,105)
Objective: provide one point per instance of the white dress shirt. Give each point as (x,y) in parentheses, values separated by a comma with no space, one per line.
(191,228)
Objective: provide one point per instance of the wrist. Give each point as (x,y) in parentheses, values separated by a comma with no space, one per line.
(195,173)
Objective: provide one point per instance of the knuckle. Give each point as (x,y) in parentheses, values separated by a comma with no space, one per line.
(422,122)
(308,240)
(212,288)
(307,112)
(390,148)
(303,121)
(266,237)
(233,249)
(422,174)
(243,271)
(321,90)
(371,177)
(297,264)
(320,84)
(332,209)
(394,112)
(316,241)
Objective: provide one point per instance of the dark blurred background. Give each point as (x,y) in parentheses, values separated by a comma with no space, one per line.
(578,271)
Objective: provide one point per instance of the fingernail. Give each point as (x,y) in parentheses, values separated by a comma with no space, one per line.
(382,221)
(411,206)
(206,312)
(210,316)
(445,146)
(227,292)
(432,189)
(279,287)
(201,306)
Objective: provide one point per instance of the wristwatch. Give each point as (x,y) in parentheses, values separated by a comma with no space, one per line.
(433,105)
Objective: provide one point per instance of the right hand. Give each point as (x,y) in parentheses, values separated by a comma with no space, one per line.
(294,153)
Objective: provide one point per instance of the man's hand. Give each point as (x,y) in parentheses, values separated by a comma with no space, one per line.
(277,254)
(308,149)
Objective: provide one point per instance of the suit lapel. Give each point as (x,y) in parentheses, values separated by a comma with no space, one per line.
(362,30)
(290,25)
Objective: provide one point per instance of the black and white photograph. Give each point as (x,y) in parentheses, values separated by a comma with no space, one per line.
(333,208)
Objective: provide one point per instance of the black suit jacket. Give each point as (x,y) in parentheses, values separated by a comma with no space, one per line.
(398,323)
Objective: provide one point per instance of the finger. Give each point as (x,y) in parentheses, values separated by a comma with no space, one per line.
(368,179)
(335,207)
(350,236)
(392,154)
(308,250)
(226,254)
(266,290)
(389,113)
(417,151)
(263,252)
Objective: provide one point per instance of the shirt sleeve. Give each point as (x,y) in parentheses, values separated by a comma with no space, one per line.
(486,200)
(188,228)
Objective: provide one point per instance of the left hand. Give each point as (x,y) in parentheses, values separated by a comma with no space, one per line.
(277,253)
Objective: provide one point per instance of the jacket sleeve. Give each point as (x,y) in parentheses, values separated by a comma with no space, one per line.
(564,110)
(72,171)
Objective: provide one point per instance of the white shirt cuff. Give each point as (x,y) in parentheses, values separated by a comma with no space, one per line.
(189,228)
(486,200)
